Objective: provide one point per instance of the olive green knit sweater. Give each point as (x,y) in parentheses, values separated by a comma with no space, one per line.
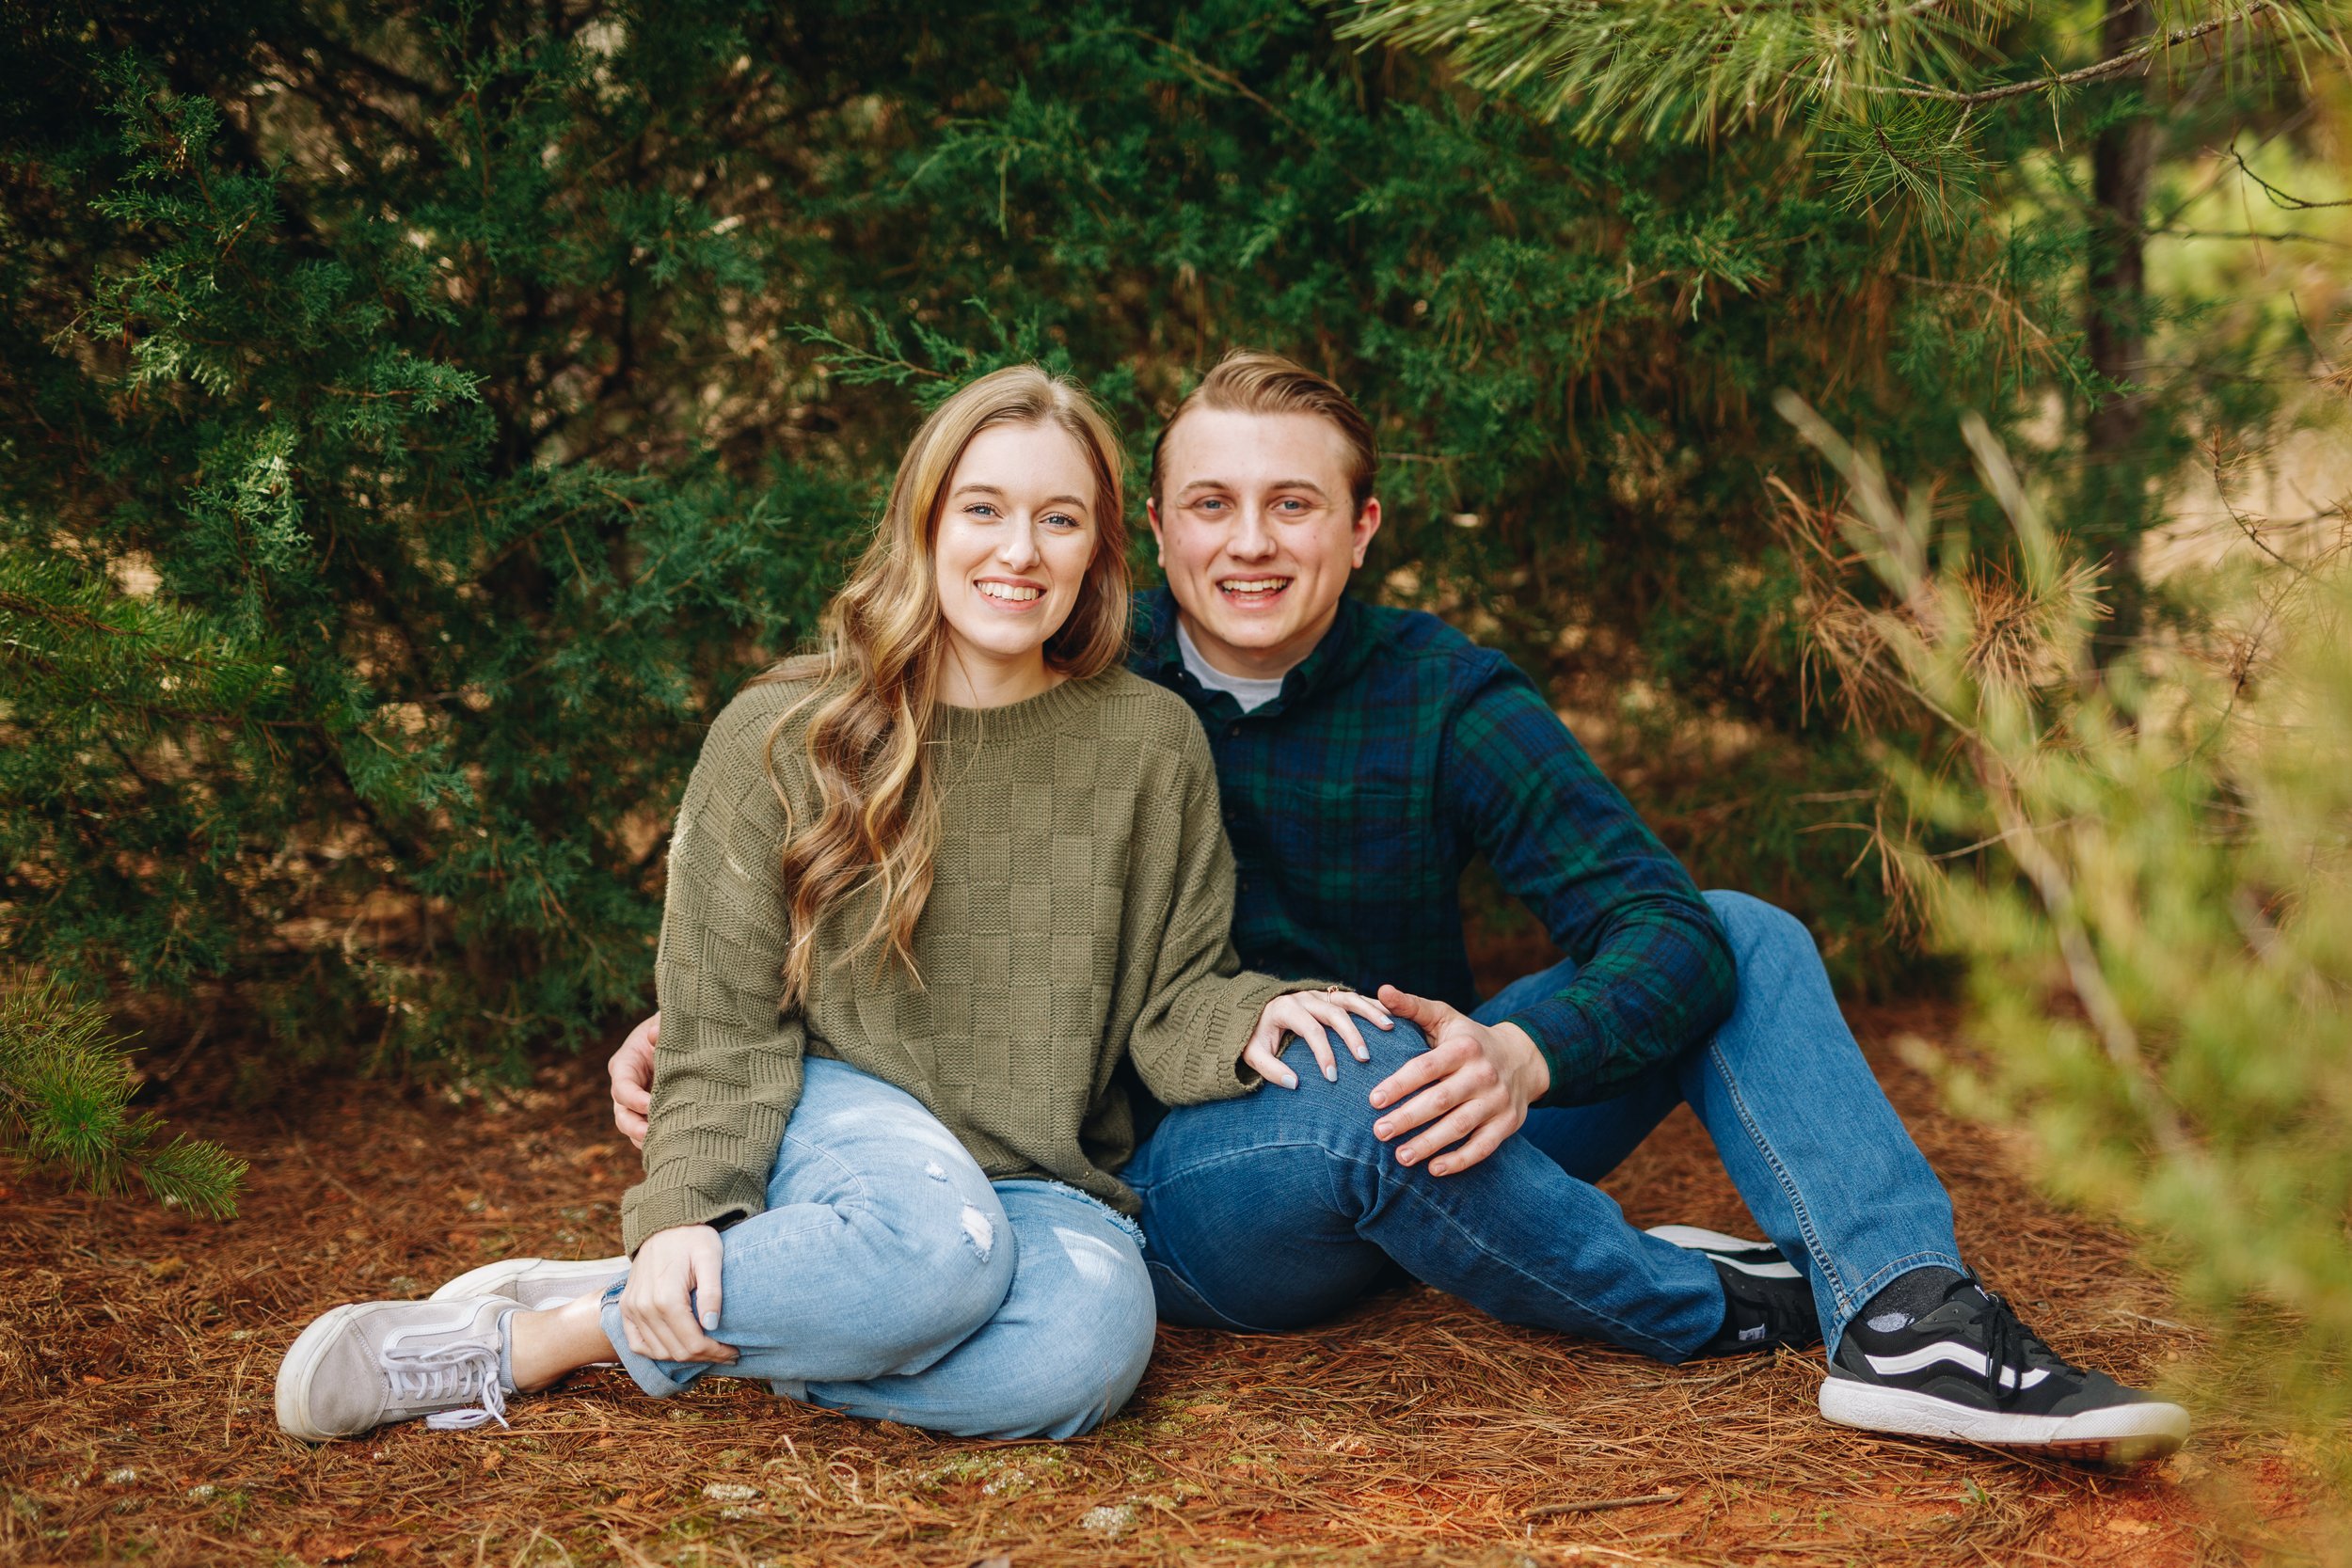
(1079,912)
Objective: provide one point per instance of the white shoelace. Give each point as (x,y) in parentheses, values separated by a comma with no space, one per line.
(455,1375)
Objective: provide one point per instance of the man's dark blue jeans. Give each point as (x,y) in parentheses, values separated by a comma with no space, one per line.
(1280,1209)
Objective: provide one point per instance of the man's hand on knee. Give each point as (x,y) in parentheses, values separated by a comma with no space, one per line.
(631,1070)
(1469,1091)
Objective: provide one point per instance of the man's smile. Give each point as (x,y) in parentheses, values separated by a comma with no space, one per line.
(1252,591)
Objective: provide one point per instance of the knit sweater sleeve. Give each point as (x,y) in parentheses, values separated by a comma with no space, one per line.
(1200,1006)
(727,1069)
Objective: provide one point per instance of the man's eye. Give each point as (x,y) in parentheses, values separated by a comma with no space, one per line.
(1210,505)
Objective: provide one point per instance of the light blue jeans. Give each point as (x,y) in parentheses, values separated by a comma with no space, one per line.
(1280,1209)
(888,1278)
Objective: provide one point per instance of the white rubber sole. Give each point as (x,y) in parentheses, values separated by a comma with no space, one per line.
(1699,1239)
(294,1373)
(505,1276)
(1714,1244)
(2120,1434)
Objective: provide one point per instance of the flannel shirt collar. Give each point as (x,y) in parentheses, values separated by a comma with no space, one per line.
(1344,650)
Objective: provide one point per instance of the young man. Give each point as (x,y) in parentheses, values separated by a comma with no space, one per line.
(1366,755)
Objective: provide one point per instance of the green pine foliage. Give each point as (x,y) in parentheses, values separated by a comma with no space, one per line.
(339,665)
(65,1089)
(1986,133)
(416,418)
(1652,67)
(1909,100)
(2148,871)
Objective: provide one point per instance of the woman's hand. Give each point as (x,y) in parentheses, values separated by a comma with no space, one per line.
(676,1273)
(1310,1015)
(631,1071)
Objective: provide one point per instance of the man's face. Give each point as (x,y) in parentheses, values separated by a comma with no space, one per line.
(1258,533)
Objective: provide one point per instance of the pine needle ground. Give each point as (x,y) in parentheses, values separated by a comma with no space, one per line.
(139,1346)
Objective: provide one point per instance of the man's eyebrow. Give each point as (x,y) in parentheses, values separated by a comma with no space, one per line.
(1228,485)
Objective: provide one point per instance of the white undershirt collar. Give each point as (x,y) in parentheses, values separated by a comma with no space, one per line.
(1251,694)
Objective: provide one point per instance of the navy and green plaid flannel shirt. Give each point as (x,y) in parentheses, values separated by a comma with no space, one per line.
(1397,751)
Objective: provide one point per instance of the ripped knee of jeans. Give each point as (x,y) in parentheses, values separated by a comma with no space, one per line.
(979,1232)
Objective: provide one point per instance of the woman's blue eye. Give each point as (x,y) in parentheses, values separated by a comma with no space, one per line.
(980,509)
(1062,519)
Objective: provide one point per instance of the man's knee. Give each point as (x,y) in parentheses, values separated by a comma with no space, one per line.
(1333,1114)
(1386,1049)
(1760,931)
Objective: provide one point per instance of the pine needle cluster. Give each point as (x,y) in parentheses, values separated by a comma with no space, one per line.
(65,1094)
(1899,96)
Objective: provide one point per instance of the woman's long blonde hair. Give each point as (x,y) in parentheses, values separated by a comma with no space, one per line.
(876,669)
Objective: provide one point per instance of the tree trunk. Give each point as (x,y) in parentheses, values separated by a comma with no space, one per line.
(2123,161)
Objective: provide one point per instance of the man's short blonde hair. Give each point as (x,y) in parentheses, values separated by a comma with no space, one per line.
(1247,381)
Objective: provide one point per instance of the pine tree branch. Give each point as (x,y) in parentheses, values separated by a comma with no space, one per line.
(1640,68)
(2290,125)
(2115,65)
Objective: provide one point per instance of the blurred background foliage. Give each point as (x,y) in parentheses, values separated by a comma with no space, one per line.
(2152,892)
(416,418)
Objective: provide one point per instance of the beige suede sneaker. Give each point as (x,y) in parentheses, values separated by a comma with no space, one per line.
(375,1362)
(536,1284)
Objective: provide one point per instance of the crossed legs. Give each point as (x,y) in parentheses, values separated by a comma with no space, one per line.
(890,1278)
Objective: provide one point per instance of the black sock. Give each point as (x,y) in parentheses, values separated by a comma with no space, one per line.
(1907,1296)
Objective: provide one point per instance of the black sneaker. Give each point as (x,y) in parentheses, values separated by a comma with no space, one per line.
(1968,1369)
(1759,1258)
(1767,1302)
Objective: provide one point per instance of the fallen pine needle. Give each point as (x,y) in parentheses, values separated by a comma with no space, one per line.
(1600,1505)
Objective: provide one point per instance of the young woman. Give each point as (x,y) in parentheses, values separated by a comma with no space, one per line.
(933,893)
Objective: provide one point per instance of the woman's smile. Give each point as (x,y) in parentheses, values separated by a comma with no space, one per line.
(1012,596)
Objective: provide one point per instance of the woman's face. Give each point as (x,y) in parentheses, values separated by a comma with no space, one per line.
(1016,533)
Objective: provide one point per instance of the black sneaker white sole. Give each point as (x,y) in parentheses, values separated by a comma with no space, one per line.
(2113,1434)
(1766,1302)
(1967,1371)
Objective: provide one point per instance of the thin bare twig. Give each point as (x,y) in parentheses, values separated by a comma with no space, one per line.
(2284,201)
(1601,1505)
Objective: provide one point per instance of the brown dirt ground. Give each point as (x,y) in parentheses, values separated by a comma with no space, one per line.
(137,1349)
